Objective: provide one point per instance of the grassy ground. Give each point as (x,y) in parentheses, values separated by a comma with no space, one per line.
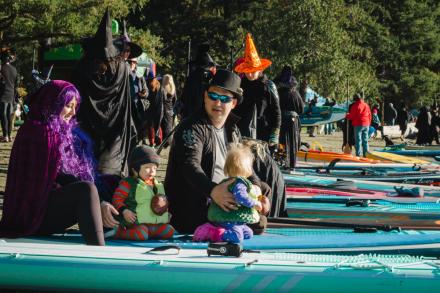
(328,142)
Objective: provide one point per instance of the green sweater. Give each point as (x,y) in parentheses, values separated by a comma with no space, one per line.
(139,201)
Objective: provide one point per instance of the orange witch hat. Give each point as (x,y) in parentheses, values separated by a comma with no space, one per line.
(252,62)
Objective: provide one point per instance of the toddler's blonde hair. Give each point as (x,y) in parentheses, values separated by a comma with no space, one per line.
(239,161)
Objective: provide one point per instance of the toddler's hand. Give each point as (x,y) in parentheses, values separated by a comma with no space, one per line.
(265,205)
(159,204)
(258,207)
(129,216)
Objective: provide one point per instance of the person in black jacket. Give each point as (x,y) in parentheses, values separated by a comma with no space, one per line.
(423,125)
(390,114)
(169,101)
(402,120)
(292,106)
(156,96)
(139,99)
(197,155)
(435,124)
(347,134)
(260,113)
(8,86)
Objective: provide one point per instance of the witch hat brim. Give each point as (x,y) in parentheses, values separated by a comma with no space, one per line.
(124,41)
(135,49)
(246,68)
(204,60)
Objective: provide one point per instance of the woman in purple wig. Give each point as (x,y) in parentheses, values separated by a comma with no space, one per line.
(50,184)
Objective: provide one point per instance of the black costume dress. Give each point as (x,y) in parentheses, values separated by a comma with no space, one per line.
(106,115)
(291,105)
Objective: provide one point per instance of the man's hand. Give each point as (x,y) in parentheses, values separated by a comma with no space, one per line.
(107,212)
(129,216)
(222,197)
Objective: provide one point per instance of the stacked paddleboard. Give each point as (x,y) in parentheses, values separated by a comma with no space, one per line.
(414,150)
(322,115)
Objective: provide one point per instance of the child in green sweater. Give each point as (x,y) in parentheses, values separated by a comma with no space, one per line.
(140,199)
(232,226)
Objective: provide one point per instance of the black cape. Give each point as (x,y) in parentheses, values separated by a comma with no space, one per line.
(291,105)
(268,171)
(105,114)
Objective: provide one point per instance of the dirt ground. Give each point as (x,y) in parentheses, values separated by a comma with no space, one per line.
(328,142)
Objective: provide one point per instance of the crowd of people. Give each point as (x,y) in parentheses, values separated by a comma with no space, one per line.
(86,153)
(86,150)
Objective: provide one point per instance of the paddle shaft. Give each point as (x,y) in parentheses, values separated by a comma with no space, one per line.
(294,221)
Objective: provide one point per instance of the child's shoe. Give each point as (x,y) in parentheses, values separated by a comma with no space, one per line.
(247,232)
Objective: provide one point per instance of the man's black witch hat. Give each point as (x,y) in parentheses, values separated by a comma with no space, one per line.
(203,59)
(101,45)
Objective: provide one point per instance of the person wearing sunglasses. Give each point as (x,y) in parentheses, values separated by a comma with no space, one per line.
(197,156)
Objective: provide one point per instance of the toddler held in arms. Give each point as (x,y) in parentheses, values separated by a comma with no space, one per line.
(231,226)
(141,201)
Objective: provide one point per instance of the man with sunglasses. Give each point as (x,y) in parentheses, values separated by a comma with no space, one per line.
(198,153)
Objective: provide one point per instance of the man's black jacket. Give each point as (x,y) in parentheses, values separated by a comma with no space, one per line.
(190,168)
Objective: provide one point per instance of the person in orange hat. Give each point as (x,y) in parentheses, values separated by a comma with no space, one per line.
(260,111)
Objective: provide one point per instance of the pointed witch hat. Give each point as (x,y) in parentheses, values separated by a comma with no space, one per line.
(124,43)
(252,61)
(101,45)
(203,59)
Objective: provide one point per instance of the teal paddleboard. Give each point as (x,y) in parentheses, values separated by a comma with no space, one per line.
(366,212)
(275,263)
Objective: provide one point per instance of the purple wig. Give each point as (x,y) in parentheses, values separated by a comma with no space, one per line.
(76,155)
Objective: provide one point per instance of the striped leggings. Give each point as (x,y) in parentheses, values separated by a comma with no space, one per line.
(145,231)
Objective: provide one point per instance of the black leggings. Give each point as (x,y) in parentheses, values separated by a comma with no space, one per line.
(6,118)
(75,203)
